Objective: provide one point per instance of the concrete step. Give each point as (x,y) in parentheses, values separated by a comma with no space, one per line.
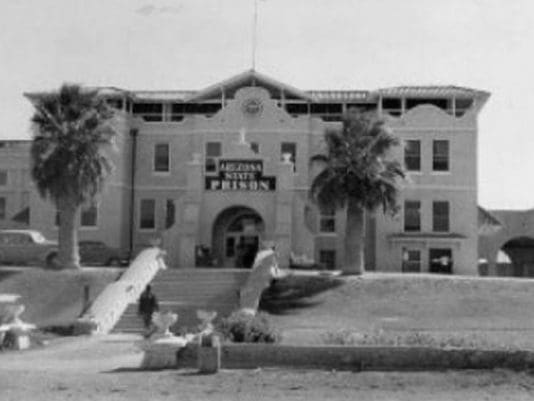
(184,291)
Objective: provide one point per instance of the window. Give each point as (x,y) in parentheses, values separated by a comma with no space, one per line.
(411,260)
(412,216)
(169,213)
(161,158)
(255,147)
(392,106)
(412,155)
(328,258)
(147,214)
(2,208)
(149,111)
(440,159)
(213,150)
(327,221)
(3,178)
(440,216)
(89,216)
(289,150)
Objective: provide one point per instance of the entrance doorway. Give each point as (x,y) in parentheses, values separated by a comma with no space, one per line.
(440,261)
(237,234)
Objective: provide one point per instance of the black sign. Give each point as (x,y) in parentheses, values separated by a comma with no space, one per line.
(240,175)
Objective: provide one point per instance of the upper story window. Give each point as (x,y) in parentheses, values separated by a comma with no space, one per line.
(412,155)
(327,221)
(440,216)
(89,216)
(440,155)
(327,111)
(289,149)
(147,214)
(161,158)
(392,106)
(213,151)
(149,111)
(3,178)
(412,216)
(255,147)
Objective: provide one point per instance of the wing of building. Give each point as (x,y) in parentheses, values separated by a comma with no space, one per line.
(215,172)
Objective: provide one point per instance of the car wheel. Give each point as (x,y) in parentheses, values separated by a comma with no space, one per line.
(114,262)
(52,261)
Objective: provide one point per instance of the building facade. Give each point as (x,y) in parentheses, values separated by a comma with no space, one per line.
(216,172)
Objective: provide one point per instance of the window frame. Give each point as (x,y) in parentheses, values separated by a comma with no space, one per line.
(209,158)
(155,156)
(5,182)
(436,158)
(3,208)
(293,154)
(327,217)
(407,262)
(86,210)
(440,219)
(419,156)
(405,215)
(140,216)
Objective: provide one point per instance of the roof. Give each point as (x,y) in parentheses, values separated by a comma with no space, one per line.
(254,78)
(431,91)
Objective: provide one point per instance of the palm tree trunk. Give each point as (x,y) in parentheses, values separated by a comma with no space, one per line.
(68,254)
(354,239)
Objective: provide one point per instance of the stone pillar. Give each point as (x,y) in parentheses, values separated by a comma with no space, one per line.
(284,211)
(191,212)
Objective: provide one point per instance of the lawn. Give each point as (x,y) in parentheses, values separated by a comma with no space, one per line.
(55,297)
(494,311)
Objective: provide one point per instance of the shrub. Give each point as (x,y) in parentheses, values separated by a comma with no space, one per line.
(383,338)
(243,327)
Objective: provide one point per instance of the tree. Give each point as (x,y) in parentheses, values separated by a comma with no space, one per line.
(358,174)
(70,158)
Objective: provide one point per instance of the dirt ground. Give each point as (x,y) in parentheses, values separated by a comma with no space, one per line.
(105,368)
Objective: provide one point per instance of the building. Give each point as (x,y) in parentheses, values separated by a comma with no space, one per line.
(229,166)
(14,184)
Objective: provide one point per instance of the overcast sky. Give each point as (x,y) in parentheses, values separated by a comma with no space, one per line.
(309,44)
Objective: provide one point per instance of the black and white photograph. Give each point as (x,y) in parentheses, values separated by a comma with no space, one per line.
(266,200)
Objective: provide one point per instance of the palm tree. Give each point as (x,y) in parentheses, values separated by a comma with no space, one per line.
(359,175)
(70,162)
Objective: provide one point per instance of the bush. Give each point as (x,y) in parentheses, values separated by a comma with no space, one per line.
(243,327)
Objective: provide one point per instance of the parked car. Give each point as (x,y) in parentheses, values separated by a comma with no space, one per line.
(27,247)
(98,253)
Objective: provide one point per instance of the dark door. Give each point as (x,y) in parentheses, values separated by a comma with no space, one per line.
(440,261)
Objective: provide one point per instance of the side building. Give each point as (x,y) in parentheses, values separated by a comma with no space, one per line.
(214,173)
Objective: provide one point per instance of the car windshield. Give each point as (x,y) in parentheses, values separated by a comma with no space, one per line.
(38,237)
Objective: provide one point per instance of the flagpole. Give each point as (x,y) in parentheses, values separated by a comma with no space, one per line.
(254,34)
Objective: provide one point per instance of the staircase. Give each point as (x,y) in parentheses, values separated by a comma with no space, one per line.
(184,291)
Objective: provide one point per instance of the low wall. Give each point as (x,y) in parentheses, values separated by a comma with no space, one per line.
(252,356)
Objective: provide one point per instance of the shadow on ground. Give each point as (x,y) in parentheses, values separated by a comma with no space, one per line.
(291,293)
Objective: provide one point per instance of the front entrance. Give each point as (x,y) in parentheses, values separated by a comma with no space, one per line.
(237,233)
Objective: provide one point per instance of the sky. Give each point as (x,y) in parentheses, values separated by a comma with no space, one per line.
(308,44)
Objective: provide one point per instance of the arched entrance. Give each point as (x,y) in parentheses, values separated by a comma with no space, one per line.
(520,262)
(237,234)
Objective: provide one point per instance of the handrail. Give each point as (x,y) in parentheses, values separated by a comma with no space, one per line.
(108,307)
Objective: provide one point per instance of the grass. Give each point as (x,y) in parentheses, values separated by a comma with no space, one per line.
(498,312)
(55,298)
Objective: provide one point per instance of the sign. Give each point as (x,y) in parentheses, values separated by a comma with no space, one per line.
(240,175)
